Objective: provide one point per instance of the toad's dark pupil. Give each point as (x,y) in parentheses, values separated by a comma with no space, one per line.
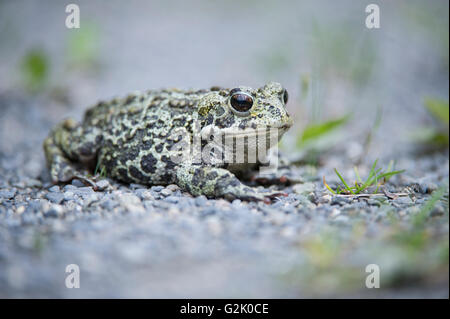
(241,102)
(285,96)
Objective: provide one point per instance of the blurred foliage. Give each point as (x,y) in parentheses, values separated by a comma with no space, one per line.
(439,110)
(344,52)
(83,46)
(436,136)
(34,68)
(315,131)
(432,21)
(371,133)
(82,53)
(278,58)
(304,85)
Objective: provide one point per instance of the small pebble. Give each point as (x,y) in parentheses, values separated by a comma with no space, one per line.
(438,210)
(201,200)
(7,194)
(77,183)
(102,184)
(56,198)
(54,211)
(427,187)
(172,199)
(137,186)
(166,192)
(172,187)
(69,187)
(304,189)
(54,188)
(157,188)
(326,199)
(340,200)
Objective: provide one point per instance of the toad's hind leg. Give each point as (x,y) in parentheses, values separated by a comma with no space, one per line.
(67,146)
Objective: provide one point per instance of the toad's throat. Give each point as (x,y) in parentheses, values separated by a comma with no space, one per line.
(245,146)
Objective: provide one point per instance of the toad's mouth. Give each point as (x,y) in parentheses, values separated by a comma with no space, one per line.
(246,132)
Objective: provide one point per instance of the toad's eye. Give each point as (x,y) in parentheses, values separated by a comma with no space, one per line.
(285,96)
(241,103)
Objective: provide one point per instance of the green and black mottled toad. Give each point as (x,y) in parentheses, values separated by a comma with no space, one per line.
(137,139)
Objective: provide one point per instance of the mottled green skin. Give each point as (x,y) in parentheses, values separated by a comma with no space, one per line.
(130,139)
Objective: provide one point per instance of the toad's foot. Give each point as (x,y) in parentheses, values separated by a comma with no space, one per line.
(218,182)
(62,170)
(282,176)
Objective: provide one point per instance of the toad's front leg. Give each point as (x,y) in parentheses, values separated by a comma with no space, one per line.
(218,182)
(67,147)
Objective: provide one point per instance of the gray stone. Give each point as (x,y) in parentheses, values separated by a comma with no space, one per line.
(373,202)
(54,189)
(144,194)
(102,184)
(137,186)
(69,187)
(77,183)
(172,187)
(109,204)
(427,187)
(304,189)
(54,212)
(172,199)
(438,210)
(340,200)
(325,199)
(201,200)
(166,192)
(403,200)
(7,194)
(157,188)
(69,196)
(56,198)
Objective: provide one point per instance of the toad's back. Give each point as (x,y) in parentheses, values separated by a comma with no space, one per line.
(137,133)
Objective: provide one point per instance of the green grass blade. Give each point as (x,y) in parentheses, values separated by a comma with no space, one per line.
(388,175)
(370,180)
(439,109)
(328,187)
(358,178)
(314,131)
(344,182)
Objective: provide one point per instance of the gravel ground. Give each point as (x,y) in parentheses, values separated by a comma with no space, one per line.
(136,241)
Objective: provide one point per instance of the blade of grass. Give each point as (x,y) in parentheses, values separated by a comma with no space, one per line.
(358,178)
(376,189)
(388,175)
(372,170)
(314,131)
(343,181)
(369,181)
(328,187)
